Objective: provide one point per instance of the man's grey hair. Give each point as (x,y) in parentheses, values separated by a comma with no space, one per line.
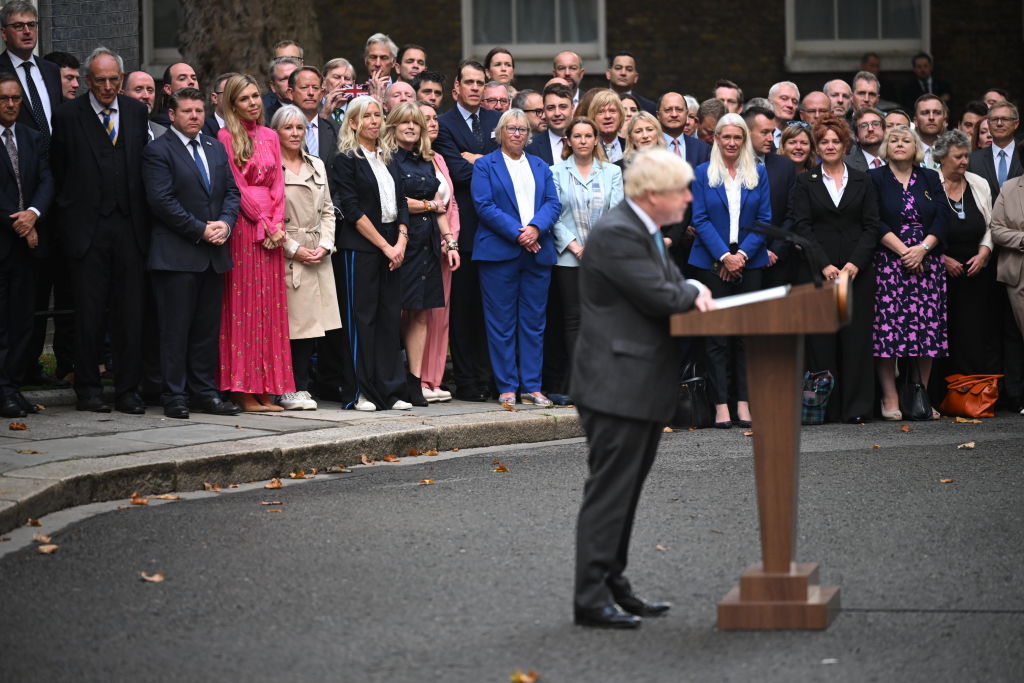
(496,84)
(947,141)
(17,7)
(98,52)
(519,101)
(338,62)
(278,61)
(692,105)
(758,102)
(655,170)
(774,90)
(825,87)
(383,39)
(867,76)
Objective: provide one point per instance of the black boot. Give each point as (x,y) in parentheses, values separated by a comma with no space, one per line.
(415,389)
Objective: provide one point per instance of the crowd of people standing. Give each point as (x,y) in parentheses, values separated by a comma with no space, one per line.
(323,238)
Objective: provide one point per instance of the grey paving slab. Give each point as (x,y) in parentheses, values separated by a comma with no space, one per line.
(186,434)
(89,446)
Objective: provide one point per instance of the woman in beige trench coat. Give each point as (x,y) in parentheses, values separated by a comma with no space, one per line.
(309,276)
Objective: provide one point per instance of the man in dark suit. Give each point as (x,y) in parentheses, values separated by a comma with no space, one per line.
(622,75)
(557,115)
(96,156)
(624,376)
(924,83)
(869,127)
(672,112)
(215,112)
(194,202)
(40,80)
(1001,161)
(304,90)
(781,180)
(466,133)
(280,71)
(176,77)
(140,86)
(26,191)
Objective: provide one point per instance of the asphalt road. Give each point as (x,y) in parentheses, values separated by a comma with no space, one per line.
(373,576)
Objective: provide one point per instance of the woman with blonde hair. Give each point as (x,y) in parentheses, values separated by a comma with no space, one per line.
(730,194)
(255,356)
(642,131)
(429,235)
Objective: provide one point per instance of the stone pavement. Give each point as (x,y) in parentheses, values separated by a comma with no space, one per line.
(66,458)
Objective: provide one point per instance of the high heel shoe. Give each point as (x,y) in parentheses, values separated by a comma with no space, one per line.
(891,415)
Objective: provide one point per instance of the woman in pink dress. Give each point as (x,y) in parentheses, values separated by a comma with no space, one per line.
(435,355)
(255,356)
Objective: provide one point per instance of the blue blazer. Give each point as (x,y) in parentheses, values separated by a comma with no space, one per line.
(180,204)
(495,200)
(930,196)
(711,219)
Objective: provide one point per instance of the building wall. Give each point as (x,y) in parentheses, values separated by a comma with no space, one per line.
(79,26)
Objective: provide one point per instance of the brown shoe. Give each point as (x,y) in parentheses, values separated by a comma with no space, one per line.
(268,403)
(248,403)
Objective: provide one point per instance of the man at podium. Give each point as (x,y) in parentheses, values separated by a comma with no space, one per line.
(624,376)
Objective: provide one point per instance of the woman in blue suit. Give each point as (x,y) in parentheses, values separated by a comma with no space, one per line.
(515,198)
(730,194)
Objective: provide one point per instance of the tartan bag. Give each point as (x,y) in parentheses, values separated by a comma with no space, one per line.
(817,389)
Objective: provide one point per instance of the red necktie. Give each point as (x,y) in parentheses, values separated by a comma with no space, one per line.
(877,162)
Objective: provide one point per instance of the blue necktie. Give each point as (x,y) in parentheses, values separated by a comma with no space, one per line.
(199,162)
(660,243)
(1001,171)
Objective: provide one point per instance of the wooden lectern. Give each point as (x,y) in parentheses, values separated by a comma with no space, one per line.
(778,592)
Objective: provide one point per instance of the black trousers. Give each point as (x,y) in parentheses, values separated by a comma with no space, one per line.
(566,280)
(302,354)
(471,365)
(52,275)
(621,452)
(111,275)
(557,352)
(188,308)
(16,302)
(334,356)
(726,355)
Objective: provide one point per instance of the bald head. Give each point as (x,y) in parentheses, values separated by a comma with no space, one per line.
(815,105)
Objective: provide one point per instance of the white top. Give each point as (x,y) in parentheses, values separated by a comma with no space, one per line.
(115,115)
(37,78)
(652,229)
(555,140)
(524,184)
(385,185)
(188,148)
(870,158)
(830,184)
(735,195)
(444,190)
(220,122)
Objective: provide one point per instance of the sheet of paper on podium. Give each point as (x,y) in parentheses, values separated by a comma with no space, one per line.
(753,297)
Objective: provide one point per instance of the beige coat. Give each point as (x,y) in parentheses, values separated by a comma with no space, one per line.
(309,219)
(1008,232)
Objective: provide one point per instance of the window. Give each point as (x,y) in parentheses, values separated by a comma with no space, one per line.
(535,30)
(161,22)
(823,35)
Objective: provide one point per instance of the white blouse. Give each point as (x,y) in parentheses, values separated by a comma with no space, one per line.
(735,196)
(524,184)
(386,186)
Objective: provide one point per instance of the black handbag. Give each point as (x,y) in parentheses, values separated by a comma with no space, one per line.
(914,401)
(694,407)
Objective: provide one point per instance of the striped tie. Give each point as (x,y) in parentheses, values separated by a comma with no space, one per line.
(108,124)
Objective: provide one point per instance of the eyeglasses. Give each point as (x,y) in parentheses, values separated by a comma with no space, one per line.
(535,112)
(674,110)
(517,130)
(1001,120)
(13,99)
(816,111)
(22,25)
(864,125)
(496,100)
(802,124)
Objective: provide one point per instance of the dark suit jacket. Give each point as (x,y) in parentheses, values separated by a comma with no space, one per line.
(327,131)
(540,147)
(453,138)
(697,151)
(210,126)
(781,181)
(357,195)
(180,204)
(271,104)
(928,193)
(982,163)
(855,160)
(649,106)
(844,234)
(36,184)
(912,90)
(74,157)
(51,78)
(626,363)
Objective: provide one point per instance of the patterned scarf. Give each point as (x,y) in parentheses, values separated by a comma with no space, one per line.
(587,204)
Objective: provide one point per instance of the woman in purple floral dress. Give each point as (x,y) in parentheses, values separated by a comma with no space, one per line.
(910,296)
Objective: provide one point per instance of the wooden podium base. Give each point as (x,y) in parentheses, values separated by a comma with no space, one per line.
(775,601)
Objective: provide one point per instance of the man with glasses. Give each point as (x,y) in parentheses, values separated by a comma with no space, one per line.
(815,105)
(1000,162)
(569,66)
(39,79)
(531,102)
(496,97)
(869,124)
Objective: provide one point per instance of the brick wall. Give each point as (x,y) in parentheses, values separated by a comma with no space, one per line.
(78,27)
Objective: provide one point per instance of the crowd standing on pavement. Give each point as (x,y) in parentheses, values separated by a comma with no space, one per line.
(258,246)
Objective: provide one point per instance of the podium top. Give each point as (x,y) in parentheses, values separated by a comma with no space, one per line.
(806,310)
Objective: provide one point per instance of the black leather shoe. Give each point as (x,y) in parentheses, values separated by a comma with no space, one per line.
(606,616)
(743,423)
(473,395)
(560,399)
(10,407)
(215,406)
(130,403)
(25,404)
(640,607)
(92,403)
(176,409)
(724,425)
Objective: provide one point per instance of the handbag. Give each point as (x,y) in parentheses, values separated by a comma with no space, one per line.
(694,407)
(914,401)
(971,395)
(814,399)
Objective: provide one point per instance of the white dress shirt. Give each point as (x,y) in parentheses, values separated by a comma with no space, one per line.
(385,185)
(524,185)
(37,78)
(830,184)
(735,195)
(555,140)
(870,158)
(188,148)
(115,115)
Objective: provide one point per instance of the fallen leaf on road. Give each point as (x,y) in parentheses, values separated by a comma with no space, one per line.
(168,496)
(207,486)
(715,531)
(528,677)
(4,539)
(905,428)
(691,429)
(432,451)
(455,450)
(152,578)
(298,474)
(661,547)
(749,432)
(17,426)
(946,481)
(271,502)
(426,482)
(273,509)
(965,420)
(667,430)
(33,522)
(366,460)
(414,452)
(41,538)
(875,445)
(136,499)
(232,486)
(509,407)
(47,549)
(495,462)
(29,451)
(274,483)
(500,468)
(40,406)
(391,457)
(969,444)
(338,469)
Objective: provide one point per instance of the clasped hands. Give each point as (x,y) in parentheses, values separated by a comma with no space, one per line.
(832,273)
(529,238)
(913,258)
(732,267)
(216,232)
(24,223)
(275,239)
(309,257)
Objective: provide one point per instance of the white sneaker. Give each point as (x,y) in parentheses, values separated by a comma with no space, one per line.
(429,394)
(293,400)
(307,401)
(401,405)
(443,395)
(364,405)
